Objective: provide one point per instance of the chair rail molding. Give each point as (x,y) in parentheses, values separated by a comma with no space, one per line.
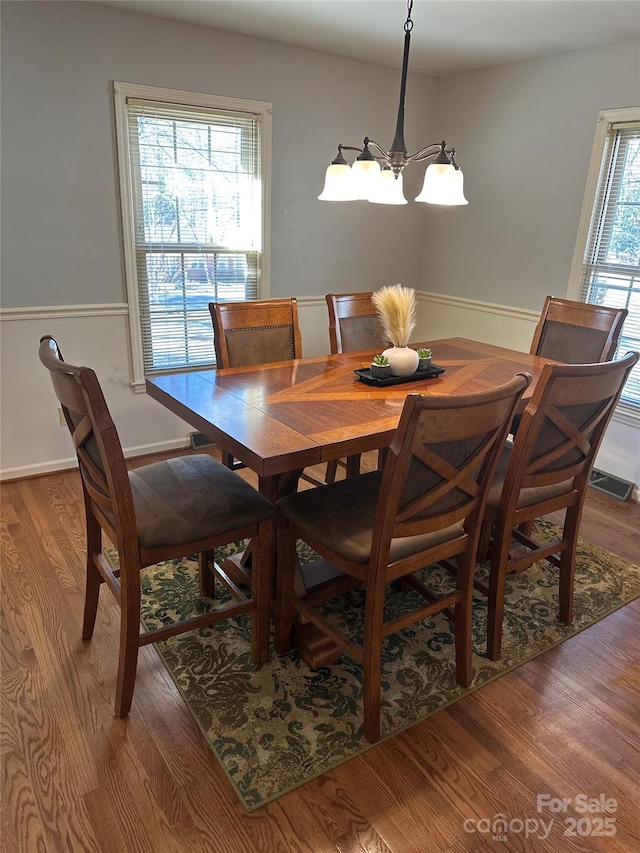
(477,305)
(54,312)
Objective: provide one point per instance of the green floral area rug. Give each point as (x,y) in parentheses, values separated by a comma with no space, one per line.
(275,727)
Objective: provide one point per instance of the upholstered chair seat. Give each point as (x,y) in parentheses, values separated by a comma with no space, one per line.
(191,498)
(341,516)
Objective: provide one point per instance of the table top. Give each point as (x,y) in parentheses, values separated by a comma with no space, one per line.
(285,416)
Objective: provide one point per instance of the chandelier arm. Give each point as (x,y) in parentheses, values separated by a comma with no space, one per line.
(425,153)
(383,153)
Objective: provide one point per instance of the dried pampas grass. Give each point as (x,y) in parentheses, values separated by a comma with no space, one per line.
(397,308)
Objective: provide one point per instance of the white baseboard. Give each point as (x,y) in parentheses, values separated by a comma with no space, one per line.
(23,471)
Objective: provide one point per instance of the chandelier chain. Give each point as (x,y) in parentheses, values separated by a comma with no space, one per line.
(408,24)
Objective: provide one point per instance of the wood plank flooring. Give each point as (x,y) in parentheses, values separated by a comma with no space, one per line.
(74,778)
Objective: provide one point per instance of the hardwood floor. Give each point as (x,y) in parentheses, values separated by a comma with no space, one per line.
(74,778)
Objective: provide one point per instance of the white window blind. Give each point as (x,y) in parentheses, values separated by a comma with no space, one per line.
(196,198)
(611,264)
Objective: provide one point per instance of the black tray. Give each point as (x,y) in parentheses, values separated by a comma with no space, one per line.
(364,375)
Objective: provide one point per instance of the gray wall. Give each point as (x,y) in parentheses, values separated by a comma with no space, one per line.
(61,233)
(524,134)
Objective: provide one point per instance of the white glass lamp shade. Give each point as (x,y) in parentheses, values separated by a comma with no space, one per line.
(338,183)
(364,173)
(387,189)
(443,184)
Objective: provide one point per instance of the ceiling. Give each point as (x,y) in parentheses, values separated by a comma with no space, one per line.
(449,36)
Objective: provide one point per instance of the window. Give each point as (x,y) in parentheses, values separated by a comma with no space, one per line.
(606,268)
(194,191)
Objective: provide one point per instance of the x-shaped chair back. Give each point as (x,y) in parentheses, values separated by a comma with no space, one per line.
(563,426)
(438,467)
(99,452)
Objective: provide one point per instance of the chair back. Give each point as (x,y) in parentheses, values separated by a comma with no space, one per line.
(440,464)
(246,333)
(95,438)
(577,332)
(561,430)
(354,323)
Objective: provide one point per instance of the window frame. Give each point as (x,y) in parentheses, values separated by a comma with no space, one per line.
(627,413)
(123,91)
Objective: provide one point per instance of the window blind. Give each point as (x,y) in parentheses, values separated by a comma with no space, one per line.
(197,209)
(611,264)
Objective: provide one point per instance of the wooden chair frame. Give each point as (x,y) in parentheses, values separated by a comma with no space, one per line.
(261,314)
(607,322)
(451,496)
(348,306)
(109,508)
(229,317)
(554,453)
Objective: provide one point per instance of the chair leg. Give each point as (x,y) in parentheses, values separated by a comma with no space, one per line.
(372,661)
(332,470)
(526,528)
(497,581)
(485,539)
(353,465)
(129,639)
(382,457)
(463,619)
(207,575)
(227,459)
(93,576)
(568,563)
(285,586)
(262,567)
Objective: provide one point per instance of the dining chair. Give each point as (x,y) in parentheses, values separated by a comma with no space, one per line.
(577,332)
(354,324)
(424,507)
(160,511)
(547,468)
(254,332)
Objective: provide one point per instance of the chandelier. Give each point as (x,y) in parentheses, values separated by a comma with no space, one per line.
(366,179)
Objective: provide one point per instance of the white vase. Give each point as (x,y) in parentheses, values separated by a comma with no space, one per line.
(403,360)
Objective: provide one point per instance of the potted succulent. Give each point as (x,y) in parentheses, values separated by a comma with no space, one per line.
(424,354)
(380,367)
(396,306)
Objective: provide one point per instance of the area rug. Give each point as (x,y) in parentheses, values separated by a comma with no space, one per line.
(276,727)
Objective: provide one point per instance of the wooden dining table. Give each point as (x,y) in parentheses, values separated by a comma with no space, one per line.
(282,417)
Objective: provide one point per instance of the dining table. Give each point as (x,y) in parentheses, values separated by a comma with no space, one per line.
(282,417)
